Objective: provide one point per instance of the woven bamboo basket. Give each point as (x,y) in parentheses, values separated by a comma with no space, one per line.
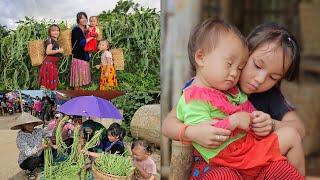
(98,175)
(36,52)
(145,123)
(65,41)
(100,32)
(118,58)
(309,20)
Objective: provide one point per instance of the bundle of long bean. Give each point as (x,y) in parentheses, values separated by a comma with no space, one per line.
(47,159)
(94,140)
(61,146)
(75,146)
(114,164)
(90,144)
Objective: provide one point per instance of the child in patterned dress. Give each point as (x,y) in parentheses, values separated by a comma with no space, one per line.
(108,78)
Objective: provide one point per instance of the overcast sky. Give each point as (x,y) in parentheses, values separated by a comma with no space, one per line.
(14,10)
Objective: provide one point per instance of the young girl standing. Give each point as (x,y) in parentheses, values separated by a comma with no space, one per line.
(91,46)
(108,78)
(48,76)
(145,166)
(37,107)
(214,95)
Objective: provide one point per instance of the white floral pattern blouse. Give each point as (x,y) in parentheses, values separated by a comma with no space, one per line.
(29,143)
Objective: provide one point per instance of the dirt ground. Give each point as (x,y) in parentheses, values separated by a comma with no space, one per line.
(9,168)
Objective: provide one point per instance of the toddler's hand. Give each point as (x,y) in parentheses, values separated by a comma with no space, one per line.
(106,74)
(61,50)
(240,120)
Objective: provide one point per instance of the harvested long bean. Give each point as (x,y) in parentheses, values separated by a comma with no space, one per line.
(61,146)
(114,164)
(48,160)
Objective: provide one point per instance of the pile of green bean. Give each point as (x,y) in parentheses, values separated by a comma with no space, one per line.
(114,164)
(63,171)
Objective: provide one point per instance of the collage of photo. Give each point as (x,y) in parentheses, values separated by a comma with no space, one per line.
(160,89)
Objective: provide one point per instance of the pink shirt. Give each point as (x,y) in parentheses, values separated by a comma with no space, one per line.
(148,166)
(37,106)
(106,58)
(66,129)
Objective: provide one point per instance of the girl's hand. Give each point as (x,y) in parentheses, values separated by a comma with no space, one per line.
(98,66)
(43,146)
(206,135)
(90,38)
(60,50)
(261,123)
(85,152)
(54,146)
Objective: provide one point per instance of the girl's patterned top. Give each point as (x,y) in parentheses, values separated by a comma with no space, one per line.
(106,58)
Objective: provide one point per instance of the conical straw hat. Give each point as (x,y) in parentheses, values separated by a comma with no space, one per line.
(25,118)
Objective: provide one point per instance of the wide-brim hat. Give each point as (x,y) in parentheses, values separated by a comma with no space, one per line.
(58,115)
(26,118)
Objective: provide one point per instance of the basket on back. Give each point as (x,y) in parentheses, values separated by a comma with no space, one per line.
(36,52)
(100,33)
(118,58)
(65,42)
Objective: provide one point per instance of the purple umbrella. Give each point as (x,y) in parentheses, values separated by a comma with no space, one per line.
(90,106)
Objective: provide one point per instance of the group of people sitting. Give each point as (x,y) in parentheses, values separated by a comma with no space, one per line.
(30,143)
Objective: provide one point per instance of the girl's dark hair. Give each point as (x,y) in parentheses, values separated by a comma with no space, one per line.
(116,130)
(143,143)
(208,34)
(273,32)
(50,28)
(79,16)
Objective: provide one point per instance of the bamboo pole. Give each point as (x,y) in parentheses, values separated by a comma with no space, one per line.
(178,18)
(21,106)
(225,10)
